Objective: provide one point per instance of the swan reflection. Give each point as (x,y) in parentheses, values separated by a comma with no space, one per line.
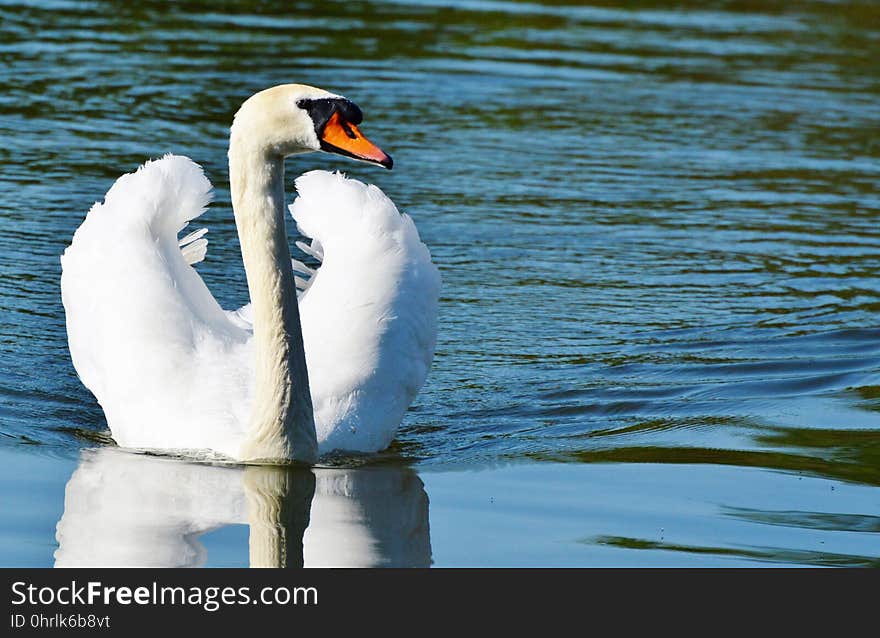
(123,509)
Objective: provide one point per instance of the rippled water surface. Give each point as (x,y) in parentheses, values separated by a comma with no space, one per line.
(657,230)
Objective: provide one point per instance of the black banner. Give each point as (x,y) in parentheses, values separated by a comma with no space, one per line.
(126,600)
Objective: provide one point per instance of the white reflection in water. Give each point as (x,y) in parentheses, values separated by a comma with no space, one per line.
(123,509)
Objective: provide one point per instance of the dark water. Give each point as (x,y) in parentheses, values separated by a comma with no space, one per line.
(657,229)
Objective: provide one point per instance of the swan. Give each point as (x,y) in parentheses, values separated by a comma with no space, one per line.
(327,361)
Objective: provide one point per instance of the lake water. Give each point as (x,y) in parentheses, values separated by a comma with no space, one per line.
(658,234)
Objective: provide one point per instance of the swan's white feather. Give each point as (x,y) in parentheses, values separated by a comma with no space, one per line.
(369,313)
(174,371)
(193,247)
(145,334)
(313,249)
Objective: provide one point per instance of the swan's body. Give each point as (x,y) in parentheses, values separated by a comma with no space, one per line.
(174,371)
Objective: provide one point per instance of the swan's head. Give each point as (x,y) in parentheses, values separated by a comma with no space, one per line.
(295,118)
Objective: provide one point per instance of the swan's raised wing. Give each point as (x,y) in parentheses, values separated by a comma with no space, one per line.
(368,312)
(146,336)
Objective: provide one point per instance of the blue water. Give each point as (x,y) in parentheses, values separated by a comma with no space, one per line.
(657,231)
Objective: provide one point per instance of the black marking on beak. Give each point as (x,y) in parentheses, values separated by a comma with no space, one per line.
(322,109)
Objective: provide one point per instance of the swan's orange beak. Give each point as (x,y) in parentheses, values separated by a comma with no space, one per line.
(344,138)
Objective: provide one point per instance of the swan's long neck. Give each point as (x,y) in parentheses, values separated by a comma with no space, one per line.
(282,423)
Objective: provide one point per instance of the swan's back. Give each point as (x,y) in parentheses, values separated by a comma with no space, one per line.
(368,315)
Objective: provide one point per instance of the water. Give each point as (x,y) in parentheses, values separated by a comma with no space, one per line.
(657,233)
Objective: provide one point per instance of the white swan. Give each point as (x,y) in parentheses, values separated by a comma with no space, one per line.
(173,371)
